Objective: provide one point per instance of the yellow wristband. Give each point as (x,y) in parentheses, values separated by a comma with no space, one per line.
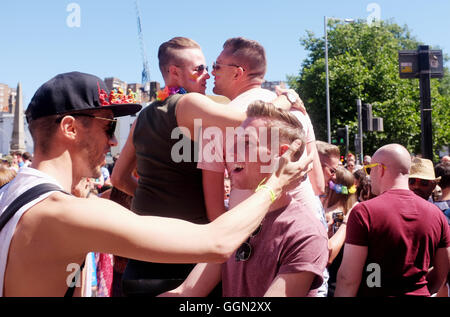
(273,197)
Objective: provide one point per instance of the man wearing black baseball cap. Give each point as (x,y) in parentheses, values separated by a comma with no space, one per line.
(76,92)
(45,237)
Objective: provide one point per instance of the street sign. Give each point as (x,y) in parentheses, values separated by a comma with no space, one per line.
(409,64)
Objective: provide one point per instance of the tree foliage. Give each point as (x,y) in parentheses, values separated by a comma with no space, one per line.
(363,63)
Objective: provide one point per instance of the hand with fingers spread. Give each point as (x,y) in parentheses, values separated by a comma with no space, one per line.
(290,171)
(293,97)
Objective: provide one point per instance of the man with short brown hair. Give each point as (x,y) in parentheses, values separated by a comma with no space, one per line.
(239,72)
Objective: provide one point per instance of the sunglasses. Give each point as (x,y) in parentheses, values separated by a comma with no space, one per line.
(201,69)
(419,182)
(367,168)
(332,169)
(244,252)
(216,66)
(111,128)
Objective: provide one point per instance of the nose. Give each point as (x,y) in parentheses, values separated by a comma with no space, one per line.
(113,141)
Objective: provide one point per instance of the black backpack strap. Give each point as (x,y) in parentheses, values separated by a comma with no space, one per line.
(24,199)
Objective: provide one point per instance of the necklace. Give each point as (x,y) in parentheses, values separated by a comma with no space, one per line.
(162,95)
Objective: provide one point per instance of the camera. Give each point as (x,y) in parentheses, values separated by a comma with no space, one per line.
(338,218)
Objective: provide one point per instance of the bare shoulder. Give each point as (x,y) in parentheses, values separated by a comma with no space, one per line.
(193,96)
(193,101)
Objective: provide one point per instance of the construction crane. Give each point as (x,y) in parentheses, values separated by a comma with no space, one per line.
(145,69)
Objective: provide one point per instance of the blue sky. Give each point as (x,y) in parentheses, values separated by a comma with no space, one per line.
(37,43)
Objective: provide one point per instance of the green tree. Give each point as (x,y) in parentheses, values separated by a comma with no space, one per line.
(363,64)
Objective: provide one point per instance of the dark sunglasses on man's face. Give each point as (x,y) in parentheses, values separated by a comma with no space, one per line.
(111,127)
(201,69)
(419,182)
(331,169)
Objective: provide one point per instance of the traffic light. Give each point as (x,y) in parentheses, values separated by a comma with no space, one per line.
(342,136)
(367,118)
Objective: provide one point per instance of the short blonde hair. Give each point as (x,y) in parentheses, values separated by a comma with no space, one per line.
(290,128)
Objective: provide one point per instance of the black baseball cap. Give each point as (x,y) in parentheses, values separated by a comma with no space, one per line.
(76,92)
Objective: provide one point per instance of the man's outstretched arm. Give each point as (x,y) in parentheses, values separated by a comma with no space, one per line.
(194,106)
(100,225)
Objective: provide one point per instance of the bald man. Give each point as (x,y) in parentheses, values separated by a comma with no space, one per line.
(394,240)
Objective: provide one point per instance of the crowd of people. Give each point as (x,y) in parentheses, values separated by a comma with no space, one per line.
(291,220)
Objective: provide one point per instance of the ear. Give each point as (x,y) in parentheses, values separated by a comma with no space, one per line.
(174,71)
(238,73)
(68,127)
(382,170)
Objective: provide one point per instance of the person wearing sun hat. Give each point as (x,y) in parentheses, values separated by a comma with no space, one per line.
(397,244)
(422,179)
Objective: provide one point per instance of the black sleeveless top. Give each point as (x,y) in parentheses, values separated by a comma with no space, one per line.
(170,184)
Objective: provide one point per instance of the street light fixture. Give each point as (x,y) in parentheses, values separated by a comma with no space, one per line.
(326,70)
